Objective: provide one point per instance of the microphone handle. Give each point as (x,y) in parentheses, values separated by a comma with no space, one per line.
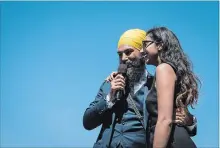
(118,95)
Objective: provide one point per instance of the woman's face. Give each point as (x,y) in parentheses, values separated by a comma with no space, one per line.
(151,49)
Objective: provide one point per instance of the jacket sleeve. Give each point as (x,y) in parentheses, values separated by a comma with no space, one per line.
(94,114)
(192,130)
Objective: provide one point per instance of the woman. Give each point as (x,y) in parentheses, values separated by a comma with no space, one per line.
(175,85)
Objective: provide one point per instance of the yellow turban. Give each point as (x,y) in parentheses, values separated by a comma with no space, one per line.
(132,37)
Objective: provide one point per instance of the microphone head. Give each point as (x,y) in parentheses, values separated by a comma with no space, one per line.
(122,69)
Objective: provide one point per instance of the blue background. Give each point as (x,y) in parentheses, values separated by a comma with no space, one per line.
(55,55)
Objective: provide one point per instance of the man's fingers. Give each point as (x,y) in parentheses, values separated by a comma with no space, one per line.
(118,87)
(113,74)
(180,118)
(181,111)
(119,84)
(115,85)
(179,122)
(119,76)
(180,114)
(119,81)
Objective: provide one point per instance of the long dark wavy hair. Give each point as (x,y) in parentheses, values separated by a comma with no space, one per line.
(172,52)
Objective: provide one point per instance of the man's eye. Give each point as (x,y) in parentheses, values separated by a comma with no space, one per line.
(128,52)
(120,54)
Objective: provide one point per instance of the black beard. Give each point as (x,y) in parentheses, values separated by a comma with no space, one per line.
(135,71)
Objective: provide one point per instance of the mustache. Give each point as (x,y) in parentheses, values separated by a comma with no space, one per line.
(135,63)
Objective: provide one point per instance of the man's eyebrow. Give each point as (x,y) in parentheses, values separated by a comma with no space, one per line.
(128,49)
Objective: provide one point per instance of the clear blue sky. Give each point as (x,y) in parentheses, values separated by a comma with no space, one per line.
(55,55)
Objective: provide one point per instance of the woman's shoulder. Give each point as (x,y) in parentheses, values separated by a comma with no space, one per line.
(165,68)
(165,72)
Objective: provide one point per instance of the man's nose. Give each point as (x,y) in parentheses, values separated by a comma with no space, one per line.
(124,57)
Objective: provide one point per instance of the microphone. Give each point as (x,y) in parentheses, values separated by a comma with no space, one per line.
(122,69)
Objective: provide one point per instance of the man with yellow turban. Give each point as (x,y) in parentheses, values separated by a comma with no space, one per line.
(128,128)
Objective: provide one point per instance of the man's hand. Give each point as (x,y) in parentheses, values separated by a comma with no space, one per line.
(117,83)
(183,117)
(111,76)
